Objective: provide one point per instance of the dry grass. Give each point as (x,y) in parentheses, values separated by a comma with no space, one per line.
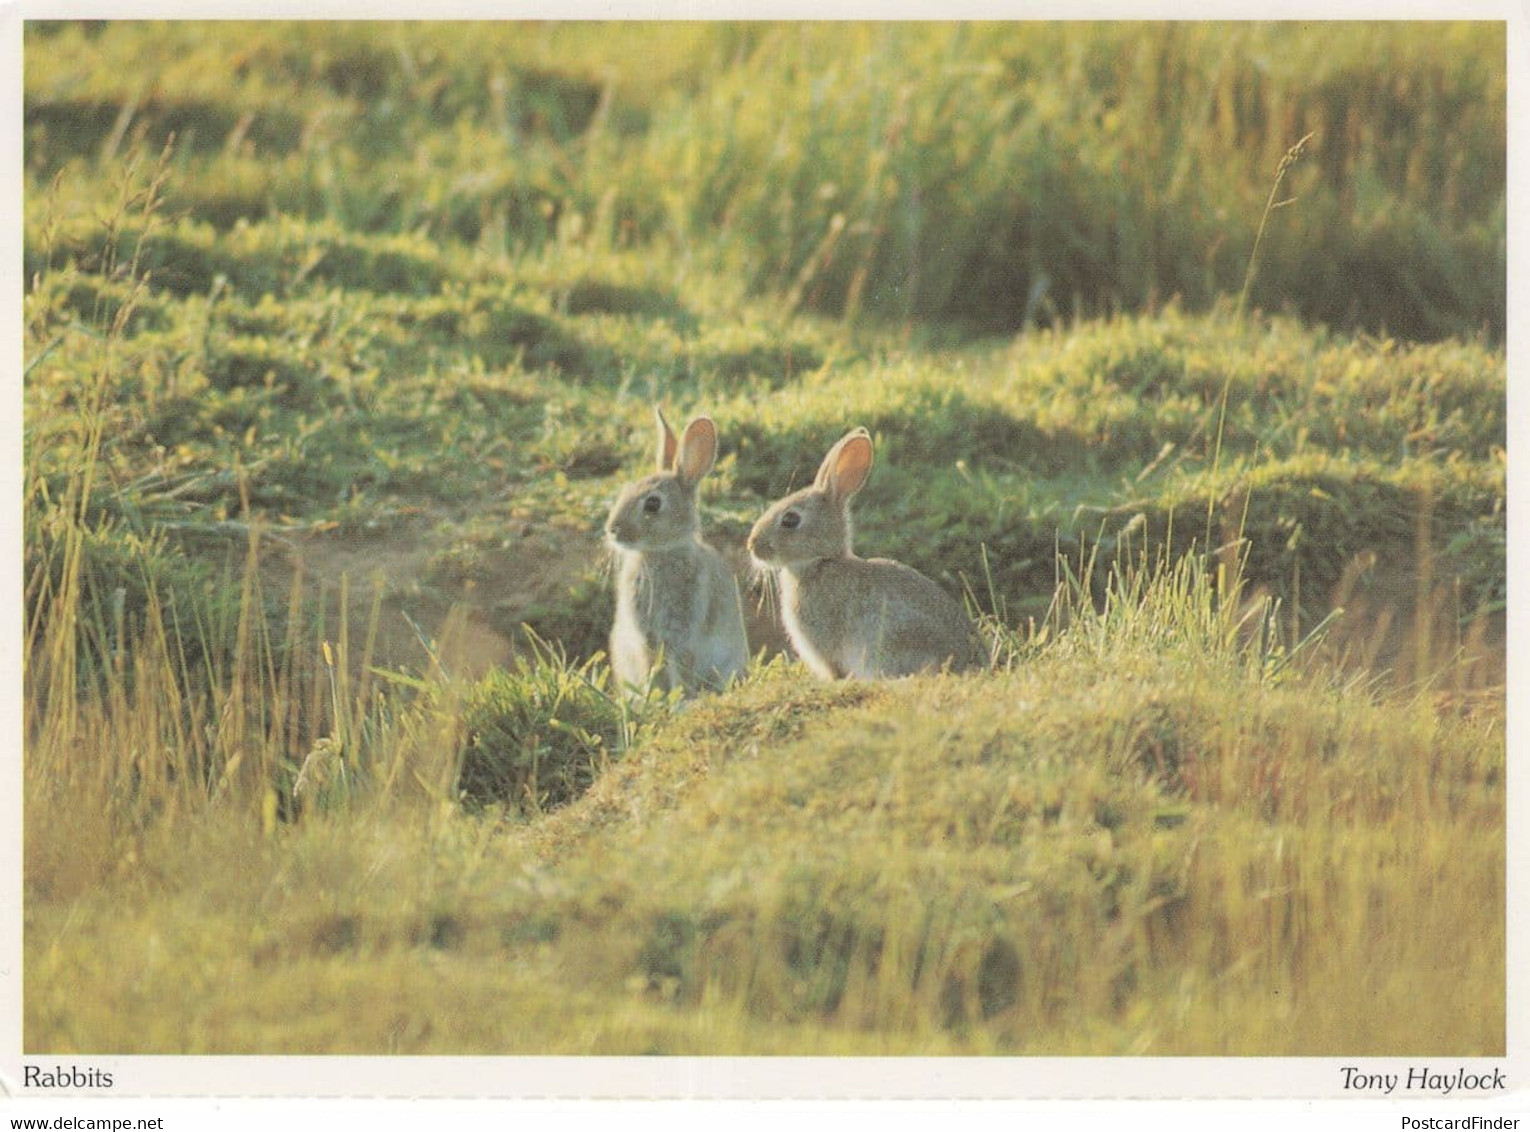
(1141,838)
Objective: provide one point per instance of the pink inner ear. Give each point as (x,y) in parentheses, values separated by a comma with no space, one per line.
(698,448)
(852,467)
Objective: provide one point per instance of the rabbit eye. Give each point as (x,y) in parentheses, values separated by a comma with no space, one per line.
(791,520)
(652,504)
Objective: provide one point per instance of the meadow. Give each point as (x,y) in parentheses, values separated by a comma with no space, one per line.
(340,339)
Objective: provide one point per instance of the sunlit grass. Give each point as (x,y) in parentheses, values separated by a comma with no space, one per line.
(1146,838)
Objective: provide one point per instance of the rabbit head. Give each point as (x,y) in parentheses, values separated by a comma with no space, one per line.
(814,523)
(660,510)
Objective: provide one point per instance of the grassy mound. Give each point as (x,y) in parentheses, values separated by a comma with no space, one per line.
(1141,840)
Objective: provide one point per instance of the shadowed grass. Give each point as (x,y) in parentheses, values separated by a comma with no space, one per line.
(1092,167)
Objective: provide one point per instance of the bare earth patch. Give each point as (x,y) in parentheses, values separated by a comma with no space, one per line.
(470,619)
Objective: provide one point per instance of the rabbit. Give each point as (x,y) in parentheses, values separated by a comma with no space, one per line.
(679,619)
(851,616)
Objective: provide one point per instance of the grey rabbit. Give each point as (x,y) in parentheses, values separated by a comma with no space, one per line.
(679,620)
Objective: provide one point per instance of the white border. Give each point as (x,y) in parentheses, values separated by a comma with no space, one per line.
(680,1077)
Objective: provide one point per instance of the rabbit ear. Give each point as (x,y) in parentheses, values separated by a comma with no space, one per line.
(844,470)
(698,450)
(667,443)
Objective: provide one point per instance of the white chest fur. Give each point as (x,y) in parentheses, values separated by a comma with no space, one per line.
(806,647)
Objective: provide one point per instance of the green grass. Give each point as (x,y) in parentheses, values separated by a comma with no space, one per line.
(324,410)
(1094,167)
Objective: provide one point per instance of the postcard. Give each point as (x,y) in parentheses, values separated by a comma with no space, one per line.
(591,554)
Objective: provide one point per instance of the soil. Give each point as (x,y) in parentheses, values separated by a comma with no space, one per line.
(470,616)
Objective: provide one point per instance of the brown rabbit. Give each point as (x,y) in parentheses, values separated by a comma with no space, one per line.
(850,616)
